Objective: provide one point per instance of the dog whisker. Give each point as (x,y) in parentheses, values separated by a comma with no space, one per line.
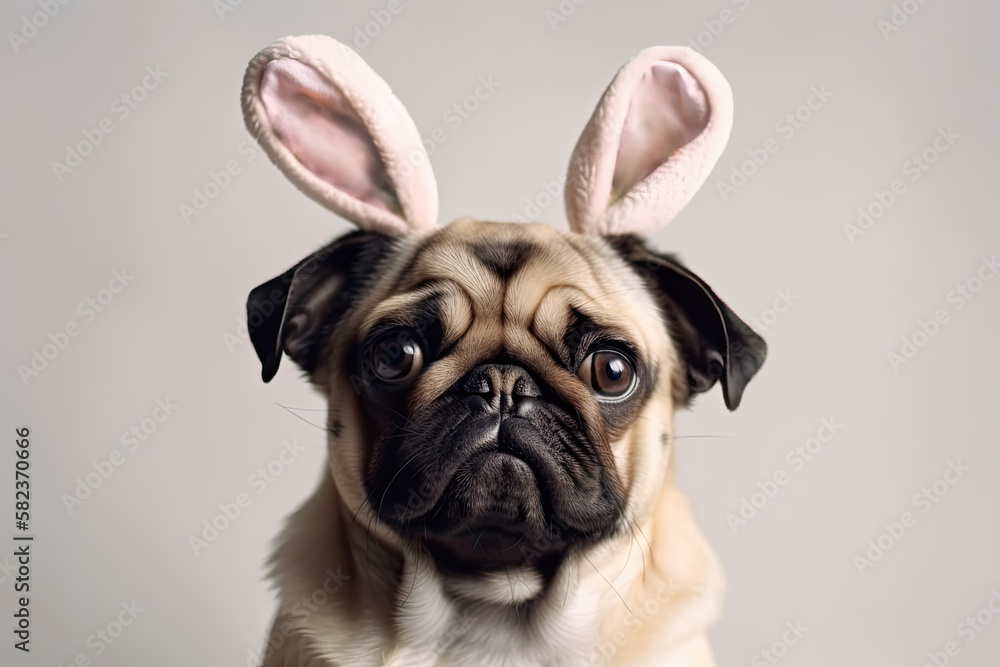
(355,517)
(628,558)
(607,582)
(517,612)
(413,583)
(652,559)
(632,527)
(479,537)
(679,437)
(389,485)
(289,411)
(519,540)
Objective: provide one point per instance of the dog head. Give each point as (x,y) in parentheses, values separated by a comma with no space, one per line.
(500,394)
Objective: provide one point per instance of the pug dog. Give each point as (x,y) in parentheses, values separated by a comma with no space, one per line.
(500,395)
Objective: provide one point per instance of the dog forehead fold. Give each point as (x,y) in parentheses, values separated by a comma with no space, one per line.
(496,286)
(506,272)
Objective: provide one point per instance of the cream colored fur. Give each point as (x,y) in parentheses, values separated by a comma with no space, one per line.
(643,597)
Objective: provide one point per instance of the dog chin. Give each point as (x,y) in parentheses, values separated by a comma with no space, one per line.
(492,516)
(510,586)
(495,515)
(493,532)
(485,493)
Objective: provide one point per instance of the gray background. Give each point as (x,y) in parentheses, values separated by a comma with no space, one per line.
(173,332)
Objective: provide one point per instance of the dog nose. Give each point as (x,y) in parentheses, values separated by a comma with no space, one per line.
(503,389)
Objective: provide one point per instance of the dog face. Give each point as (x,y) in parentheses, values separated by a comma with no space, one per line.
(500,394)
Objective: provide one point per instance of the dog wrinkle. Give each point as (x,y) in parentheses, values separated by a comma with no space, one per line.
(522,308)
(503,258)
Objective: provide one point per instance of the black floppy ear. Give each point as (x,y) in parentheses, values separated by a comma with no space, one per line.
(714,342)
(297,311)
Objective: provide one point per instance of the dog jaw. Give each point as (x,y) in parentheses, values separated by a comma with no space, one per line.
(508,587)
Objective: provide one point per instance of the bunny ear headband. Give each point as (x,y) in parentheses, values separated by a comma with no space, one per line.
(335,129)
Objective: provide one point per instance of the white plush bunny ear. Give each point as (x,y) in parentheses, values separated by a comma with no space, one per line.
(335,129)
(657,132)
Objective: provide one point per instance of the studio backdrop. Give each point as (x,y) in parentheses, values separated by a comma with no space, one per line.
(852,221)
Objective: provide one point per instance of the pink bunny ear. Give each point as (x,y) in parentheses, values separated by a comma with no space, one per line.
(650,144)
(335,129)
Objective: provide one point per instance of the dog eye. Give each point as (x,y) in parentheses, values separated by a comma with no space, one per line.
(396,357)
(608,373)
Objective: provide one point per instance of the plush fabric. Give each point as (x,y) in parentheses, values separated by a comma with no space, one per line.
(335,129)
(658,130)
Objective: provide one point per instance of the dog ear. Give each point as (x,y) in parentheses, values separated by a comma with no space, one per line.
(714,343)
(335,129)
(297,311)
(658,130)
